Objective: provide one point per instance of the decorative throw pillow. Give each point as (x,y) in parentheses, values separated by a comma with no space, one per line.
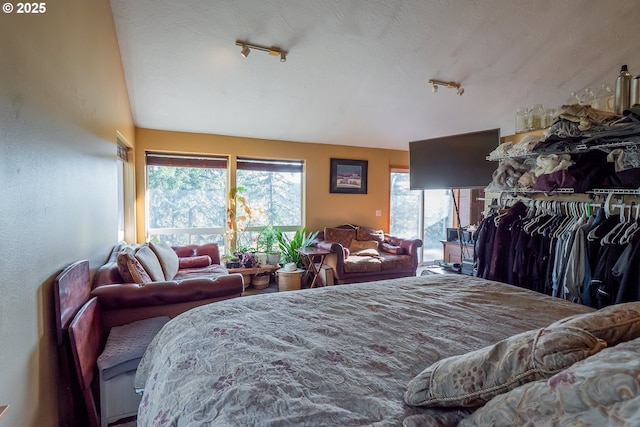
(366,233)
(344,236)
(614,324)
(364,247)
(474,378)
(194,261)
(601,390)
(393,249)
(167,257)
(130,269)
(150,262)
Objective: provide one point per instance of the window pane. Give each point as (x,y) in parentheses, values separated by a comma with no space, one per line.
(406,218)
(120,199)
(405,207)
(187,205)
(437,217)
(278,195)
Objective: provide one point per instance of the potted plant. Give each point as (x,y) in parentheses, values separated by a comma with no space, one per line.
(268,242)
(288,246)
(231,261)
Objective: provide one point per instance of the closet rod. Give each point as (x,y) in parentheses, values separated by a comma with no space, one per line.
(564,203)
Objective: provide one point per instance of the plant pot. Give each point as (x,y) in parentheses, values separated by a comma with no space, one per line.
(289,280)
(261,281)
(273,258)
(261,258)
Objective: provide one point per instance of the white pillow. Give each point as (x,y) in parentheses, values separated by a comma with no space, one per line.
(168,259)
(150,262)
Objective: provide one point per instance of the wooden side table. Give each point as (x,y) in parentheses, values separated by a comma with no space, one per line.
(308,256)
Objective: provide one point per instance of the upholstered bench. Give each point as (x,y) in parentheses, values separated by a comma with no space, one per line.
(117,366)
(116,357)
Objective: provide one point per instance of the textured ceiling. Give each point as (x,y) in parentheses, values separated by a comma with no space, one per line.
(357,69)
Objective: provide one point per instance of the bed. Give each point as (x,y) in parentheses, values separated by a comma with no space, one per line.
(335,356)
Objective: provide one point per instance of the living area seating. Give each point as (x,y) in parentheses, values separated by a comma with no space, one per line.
(105,330)
(363,254)
(154,279)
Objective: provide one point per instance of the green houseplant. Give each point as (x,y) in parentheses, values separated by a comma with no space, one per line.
(288,246)
(268,242)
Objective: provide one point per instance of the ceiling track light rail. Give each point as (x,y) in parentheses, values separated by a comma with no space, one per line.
(271,50)
(451,85)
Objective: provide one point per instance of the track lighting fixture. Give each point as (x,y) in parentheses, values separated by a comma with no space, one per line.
(272,50)
(451,85)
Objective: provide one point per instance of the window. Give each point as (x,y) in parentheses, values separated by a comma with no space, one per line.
(125,184)
(421,214)
(186,199)
(120,173)
(273,187)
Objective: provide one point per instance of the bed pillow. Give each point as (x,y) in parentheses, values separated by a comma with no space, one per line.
(614,324)
(130,268)
(600,390)
(150,262)
(364,247)
(472,379)
(168,259)
(344,236)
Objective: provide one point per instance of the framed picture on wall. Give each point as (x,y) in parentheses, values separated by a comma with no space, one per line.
(348,176)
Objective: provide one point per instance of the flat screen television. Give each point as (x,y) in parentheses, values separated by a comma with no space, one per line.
(455,161)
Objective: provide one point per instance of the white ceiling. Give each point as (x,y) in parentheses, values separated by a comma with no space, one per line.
(357,70)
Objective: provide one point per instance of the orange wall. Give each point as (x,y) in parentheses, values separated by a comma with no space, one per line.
(62,99)
(322,208)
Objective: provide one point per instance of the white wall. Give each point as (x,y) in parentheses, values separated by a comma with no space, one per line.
(62,99)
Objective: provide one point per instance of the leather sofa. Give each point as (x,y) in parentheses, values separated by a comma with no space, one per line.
(196,278)
(363,254)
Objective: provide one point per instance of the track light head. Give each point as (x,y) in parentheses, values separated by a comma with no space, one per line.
(451,85)
(271,50)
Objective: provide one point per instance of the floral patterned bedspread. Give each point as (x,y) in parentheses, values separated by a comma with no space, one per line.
(336,356)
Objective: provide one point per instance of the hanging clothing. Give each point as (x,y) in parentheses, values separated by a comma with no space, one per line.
(499,266)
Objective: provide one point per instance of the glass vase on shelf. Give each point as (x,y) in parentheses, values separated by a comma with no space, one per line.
(527,120)
(549,117)
(586,98)
(573,99)
(520,120)
(603,99)
(536,117)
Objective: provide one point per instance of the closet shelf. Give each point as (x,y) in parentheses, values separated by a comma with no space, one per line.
(531,191)
(525,191)
(620,191)
(577,149)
